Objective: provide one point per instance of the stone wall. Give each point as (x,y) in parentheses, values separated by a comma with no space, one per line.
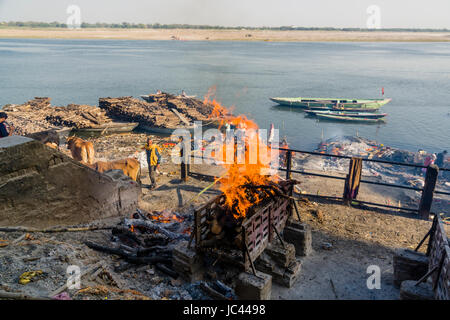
(41,187)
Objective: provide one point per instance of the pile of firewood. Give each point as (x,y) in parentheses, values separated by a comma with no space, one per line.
(225,229)
(165,110)
(135,110)
(78,116)
(39,115)
(29,117)
(191,105)
(146,238)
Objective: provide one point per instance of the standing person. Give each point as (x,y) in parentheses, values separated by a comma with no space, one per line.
(428,161)
(418,159)
(440,159)
(153,160)
(284,145)
(3,130)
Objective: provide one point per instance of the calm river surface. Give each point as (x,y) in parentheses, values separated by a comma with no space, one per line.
(415,75)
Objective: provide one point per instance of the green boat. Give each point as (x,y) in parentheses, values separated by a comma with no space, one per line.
(367,105)
(348,119)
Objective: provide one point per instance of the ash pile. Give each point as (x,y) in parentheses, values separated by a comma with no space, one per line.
(39,115)
(163,111)
(370,149)
(149,238)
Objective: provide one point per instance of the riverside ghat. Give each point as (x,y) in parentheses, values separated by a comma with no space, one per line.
(162,113)
(245,235)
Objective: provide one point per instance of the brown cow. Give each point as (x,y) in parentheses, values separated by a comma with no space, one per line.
(81,150)
(129,166)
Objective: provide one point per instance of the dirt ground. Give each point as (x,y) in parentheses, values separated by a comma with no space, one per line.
(346,240)
(222,35)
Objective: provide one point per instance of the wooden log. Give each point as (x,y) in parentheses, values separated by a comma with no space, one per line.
(116,251)
(142,252)
(127,256)
(21,296)
(288,164)
(428,190)
(123,232)
(211,292)
(53,230)
(155,226)
(167,270)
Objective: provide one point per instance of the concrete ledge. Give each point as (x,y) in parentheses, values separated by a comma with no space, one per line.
(409,291)
(41,187)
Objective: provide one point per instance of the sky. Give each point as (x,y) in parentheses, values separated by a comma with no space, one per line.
(255,13)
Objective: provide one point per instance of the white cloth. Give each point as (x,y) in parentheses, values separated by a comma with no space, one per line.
(142,158)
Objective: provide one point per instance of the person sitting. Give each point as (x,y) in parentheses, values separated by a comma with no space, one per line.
(4,132)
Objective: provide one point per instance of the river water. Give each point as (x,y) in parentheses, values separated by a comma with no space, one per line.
(415,75)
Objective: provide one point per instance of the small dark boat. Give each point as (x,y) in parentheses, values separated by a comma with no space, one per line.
(345,114)
(348,119)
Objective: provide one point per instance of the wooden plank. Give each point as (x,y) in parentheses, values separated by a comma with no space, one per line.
(180,116)
(428,191)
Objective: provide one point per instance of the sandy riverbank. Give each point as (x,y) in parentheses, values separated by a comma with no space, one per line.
(224,35)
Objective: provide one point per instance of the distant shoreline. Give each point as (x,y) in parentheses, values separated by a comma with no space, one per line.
(225,35)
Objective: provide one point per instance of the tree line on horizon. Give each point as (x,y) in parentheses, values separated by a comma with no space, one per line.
(127,25)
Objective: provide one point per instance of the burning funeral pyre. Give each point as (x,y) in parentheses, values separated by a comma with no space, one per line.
(254,206)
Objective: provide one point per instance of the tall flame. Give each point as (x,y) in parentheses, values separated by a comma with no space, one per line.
(241,174)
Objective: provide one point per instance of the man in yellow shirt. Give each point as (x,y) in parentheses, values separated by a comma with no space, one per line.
(153,159)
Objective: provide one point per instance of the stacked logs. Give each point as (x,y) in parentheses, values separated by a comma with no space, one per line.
(29,117)
(134,110)
(39,115)
(78,116)
(163,111)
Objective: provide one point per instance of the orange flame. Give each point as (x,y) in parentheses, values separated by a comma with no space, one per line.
(166,219)
(240,174)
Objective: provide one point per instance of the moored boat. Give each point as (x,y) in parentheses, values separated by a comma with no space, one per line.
(333,104)
(367,115)
(151,99)
(111,127)
(348,119)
